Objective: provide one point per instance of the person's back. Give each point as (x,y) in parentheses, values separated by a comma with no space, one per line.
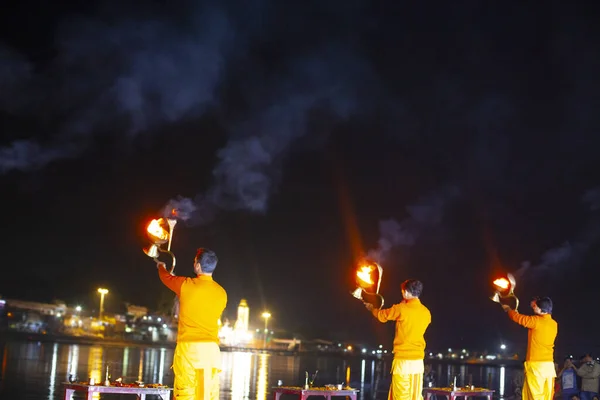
(542,338)
(409,341)
(539,366)
(412,319)
(197,357)
(202,302)
(542,332)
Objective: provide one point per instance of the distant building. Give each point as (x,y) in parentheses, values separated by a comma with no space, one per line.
(137,311)
(243,316)
(31,316)
(57,308)
(238,335)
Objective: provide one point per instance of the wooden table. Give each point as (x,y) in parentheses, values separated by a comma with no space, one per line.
(458,392)
(140,392)
(305,393)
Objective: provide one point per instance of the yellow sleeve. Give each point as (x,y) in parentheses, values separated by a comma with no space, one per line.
(527,321)
(389,314)
(171,281)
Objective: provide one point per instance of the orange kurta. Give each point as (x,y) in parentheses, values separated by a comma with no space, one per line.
(541,336)
(539,362)
(197,358)
(412,319)
(201,303)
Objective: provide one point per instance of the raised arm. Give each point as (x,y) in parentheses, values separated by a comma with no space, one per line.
(388,314)
(524,320)
(171,281)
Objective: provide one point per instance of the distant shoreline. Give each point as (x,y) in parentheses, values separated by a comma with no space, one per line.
(82,340)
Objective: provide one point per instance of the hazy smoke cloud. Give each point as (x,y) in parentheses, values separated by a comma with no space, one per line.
(570,253)
(126,75)
(28,154)
(132,74)
(592,197)
(424,214)
(249,166)
(182,208)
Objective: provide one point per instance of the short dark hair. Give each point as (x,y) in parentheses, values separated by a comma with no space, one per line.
(208,260)
(412,286)
(545,304)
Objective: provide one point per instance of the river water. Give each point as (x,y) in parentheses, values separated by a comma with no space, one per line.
(35,370)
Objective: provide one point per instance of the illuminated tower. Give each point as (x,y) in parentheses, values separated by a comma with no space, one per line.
(243,313)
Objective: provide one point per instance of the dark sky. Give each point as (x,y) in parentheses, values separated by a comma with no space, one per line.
(456,140)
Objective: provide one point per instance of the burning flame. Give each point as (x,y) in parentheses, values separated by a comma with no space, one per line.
(155,229)
(502,283)
(364,274)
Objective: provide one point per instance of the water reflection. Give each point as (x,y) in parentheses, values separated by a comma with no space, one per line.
(37,370)
(95,367)
(4,361)
(363,367)
(53,371)
(141,366)
(125,361)
(239,379)
(502,382)
(161,366)
(262,377)
(73,362)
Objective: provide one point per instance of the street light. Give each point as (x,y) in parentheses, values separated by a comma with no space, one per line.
(503,346)
(102,292)
(266,315)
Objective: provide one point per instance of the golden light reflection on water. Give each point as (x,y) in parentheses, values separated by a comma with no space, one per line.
(95,366)
(262,378)
(141,366)
(241,368)
(36,370)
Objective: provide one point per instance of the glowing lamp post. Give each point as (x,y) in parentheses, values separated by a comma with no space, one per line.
(266,315)
(102,292)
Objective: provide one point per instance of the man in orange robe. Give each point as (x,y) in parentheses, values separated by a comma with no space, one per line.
(197,358)
(412,319)
(539,362)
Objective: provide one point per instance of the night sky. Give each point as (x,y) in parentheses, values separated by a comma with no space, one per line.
(455,140)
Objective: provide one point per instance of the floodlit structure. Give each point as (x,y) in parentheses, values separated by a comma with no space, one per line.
(239,334)
(243,315)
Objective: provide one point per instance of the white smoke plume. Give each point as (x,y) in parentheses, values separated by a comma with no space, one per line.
(249,166)
(426,213)
(569,253)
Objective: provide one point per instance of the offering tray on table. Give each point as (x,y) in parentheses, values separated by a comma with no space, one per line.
(118,388)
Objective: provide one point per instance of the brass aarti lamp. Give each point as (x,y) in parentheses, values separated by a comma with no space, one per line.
(505,289)
(160,232)
(368,281)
